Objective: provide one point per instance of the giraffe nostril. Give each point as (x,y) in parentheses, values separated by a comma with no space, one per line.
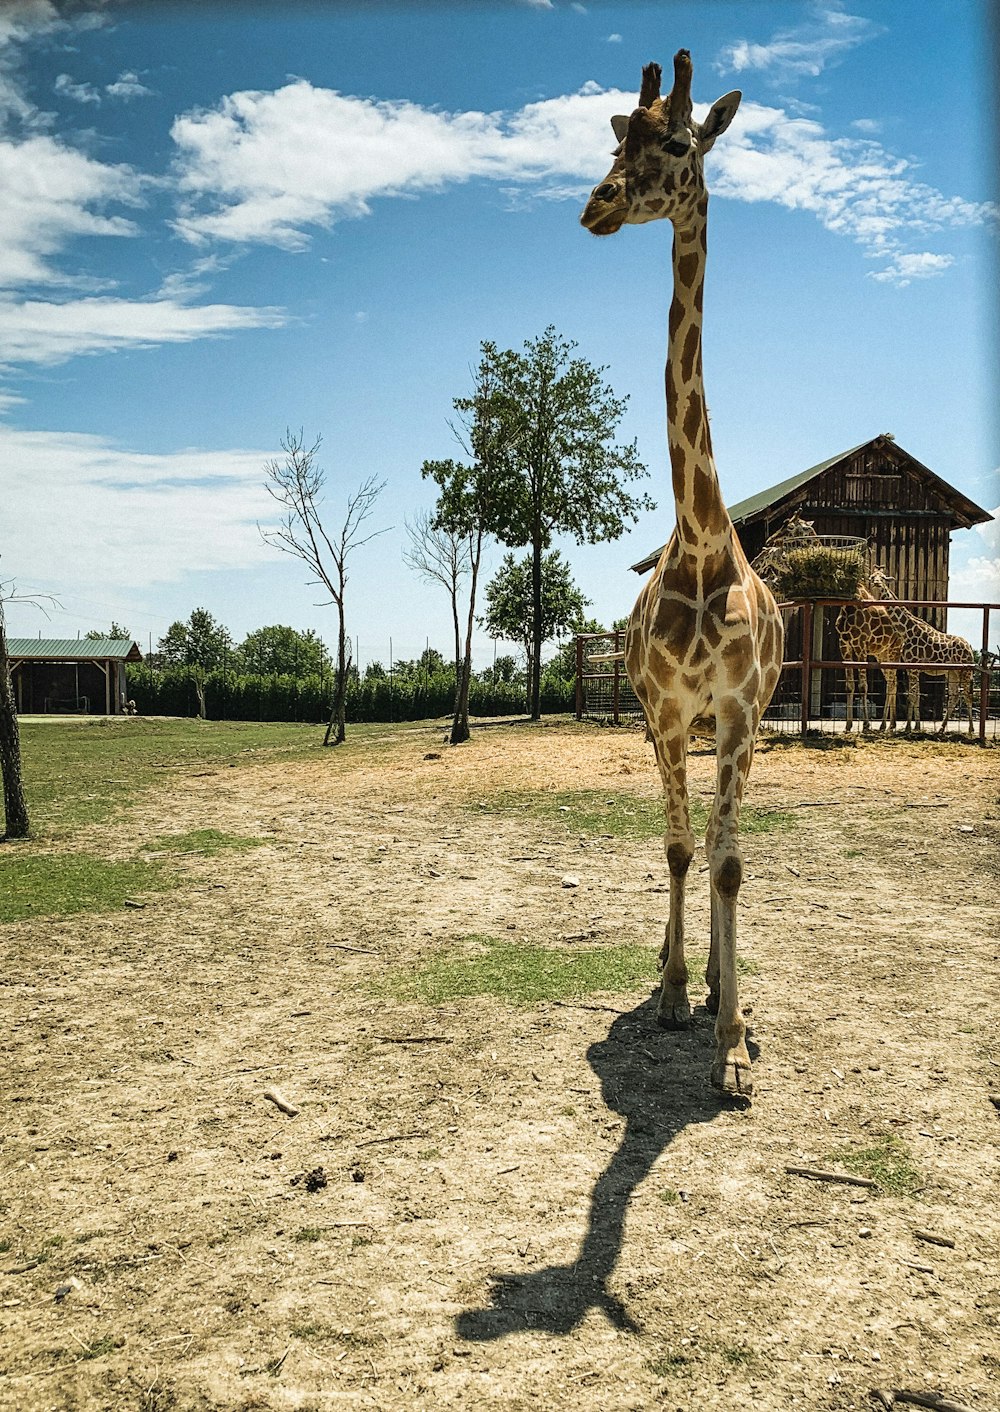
(606,191)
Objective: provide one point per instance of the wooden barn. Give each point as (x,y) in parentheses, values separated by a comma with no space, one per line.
(85,676)
(876,492)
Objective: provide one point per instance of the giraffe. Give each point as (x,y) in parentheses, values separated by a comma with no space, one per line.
(869,634)
(920,643)
(705,636)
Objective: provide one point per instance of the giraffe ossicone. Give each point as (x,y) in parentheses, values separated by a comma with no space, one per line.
(705,637)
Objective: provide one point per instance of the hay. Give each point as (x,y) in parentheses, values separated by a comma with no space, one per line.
(820,572)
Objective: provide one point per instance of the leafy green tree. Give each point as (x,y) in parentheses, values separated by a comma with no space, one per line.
(555,467)
(115,630)
(503,671)
(201,644)
(281,651)
(511,608)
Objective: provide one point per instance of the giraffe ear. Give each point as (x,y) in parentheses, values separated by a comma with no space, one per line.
(720,115)
(619,126)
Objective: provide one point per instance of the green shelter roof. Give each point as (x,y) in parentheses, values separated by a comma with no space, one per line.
(73,649)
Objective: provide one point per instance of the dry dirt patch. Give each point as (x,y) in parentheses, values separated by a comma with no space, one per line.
(523,1206)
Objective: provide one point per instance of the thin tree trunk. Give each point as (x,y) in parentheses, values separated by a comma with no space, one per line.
(535,678)
(460,725)
(15,804)
(336,726)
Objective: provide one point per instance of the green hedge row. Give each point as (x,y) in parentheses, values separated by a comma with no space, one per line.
(172,692)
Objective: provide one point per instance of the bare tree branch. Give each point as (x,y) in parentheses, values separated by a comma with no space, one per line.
(297,483)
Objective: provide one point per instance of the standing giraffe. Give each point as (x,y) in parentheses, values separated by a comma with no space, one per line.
(869,634)
(920,643)
(705,636)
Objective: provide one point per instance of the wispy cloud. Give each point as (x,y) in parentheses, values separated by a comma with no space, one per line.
(270,167)
(975,577)
(191,511)
(125,87)
(34,331)
(806,50)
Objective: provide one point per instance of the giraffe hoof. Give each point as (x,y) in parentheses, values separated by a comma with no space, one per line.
(674,1012)
(733,1078)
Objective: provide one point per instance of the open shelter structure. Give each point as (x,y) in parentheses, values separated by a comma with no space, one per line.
(82,676)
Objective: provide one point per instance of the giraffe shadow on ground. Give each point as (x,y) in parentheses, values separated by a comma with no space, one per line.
(658,1082)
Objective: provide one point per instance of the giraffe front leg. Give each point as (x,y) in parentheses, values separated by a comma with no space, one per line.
(950,685)
(734,748)
(849,682)
(863,683)
(889,710)
(674,1009)
(913,701)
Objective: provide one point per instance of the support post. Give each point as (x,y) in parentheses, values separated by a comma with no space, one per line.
(579,676)
(807,612)
(616,687)
(984,676)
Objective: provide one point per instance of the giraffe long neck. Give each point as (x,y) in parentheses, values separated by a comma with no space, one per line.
(701,511)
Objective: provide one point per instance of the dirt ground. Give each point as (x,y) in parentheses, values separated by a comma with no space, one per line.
(525,1207)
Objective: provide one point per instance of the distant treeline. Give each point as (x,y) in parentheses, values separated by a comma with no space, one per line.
(410,696)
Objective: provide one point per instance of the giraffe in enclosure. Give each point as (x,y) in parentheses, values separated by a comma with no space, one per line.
(705,636)
(869,634)
(922,643)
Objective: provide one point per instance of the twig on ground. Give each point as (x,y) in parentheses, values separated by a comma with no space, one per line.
(414,1039)
(280,1101)
(574,1005)
(934,1400)
(361,950)
(932,1238)
(395,1137)
(819,1174)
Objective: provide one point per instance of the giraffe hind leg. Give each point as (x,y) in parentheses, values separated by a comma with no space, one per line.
(674,1009)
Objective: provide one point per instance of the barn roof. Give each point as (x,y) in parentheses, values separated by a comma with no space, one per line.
(73,649)
(965,512)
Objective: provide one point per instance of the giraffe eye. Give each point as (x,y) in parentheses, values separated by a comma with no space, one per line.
(676,146)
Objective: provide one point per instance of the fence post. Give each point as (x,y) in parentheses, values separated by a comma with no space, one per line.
(579,676)
(807,614)
(984,677)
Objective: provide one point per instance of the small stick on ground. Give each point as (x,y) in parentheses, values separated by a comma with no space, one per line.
(932,1238)
(818,1174)
(361,950)
(934,1400)
(414,1039)
(395,1137)
(279,1100)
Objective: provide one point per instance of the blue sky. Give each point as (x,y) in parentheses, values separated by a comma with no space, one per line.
(222,221)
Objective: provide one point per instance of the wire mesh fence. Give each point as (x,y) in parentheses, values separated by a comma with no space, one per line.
(812,692)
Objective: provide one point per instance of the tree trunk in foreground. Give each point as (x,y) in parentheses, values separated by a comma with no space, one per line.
(460,725)
(336,729)
(15,804)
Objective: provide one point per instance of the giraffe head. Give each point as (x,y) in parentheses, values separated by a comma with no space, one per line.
(657,172)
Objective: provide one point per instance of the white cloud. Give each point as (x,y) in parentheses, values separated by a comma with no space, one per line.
(127,86)
(975,578)
(854,187)
(268,166)
(67,87)
(52,194)
(870,127)
(804,51)
(33,331)
(157,518)
(614,39)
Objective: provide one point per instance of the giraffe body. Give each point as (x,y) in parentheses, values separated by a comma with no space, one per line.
(705,636)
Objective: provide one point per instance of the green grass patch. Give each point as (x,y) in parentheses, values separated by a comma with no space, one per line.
(615,813)
(61,884)
(887,1162)
(102,1346)
(668,1363)
(84,771)
(523,974)
(307,1235)
(207,841)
